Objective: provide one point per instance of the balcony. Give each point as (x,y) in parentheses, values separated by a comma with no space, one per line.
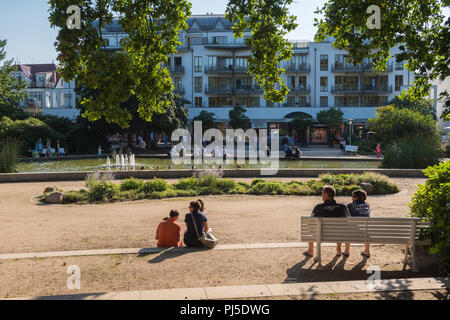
(343,88)
(300,90)
(370,67)
(345,67)
(378,88)
(218,90)
(225,69)
(347,105)
(179,91)
(301,68)
(248,90)
(176,69)
(35,85)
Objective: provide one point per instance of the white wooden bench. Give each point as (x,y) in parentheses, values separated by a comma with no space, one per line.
(402,231)
(351,149)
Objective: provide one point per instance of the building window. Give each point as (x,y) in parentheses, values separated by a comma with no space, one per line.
(323,102)
(220,101)
(241,64)
(291,102)
(106,42)
(41,82)
(323,62)
(195,41)
(198,84)
(67,99)
(398,65)
(398,83)
(219,40)
(302,101)
(323,84)
(198,101)
(198,63)
(346,101)
(177,82)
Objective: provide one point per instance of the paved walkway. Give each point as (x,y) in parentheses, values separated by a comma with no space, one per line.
(55,254)
(261,291)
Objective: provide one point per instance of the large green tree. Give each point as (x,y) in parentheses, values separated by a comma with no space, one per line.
(238,119)
(300,124)
(11,90)
(423,106)
(207,119)
(151,28)
(269,22)
(418,27)
(392,124)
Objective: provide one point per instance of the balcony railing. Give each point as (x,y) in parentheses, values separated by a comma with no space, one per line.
(345,67)
(345,89)
(370,67)
(179,91)
(49,85)
(378,88)
(304,68)
(225,69)
(300,90)
(218,90)
(347,105)
(248,90)
(176,69)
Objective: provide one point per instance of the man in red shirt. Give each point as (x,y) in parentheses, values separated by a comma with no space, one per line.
(168,233)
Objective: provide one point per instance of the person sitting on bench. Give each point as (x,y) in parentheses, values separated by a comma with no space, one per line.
(289,153)
(328,209)
(359,208)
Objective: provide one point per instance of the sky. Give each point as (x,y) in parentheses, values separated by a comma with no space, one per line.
(24,24)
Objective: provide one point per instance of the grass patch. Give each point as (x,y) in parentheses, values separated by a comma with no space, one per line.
(100,190)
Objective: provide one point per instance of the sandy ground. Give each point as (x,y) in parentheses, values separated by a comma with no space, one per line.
(30,227)
(35,277)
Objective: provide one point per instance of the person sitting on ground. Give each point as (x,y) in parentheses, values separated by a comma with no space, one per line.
(328,209)
(359,208)
(289,152)
(168,232)
(191,237)
(48,150)
(297,153)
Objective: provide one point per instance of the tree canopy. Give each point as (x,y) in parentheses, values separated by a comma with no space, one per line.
(423,106)
(331,117)
(238,119)
(392,124)
(417,27)
(207,119)
(11,90)
(151,28)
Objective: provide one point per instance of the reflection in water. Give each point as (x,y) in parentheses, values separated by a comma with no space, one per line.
(163,164)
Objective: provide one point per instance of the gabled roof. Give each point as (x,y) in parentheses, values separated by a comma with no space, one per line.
(30,70)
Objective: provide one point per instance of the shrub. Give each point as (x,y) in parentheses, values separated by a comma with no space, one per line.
(104,191)
(131,184)
(187,184)
(225,185)
(76,197)
(208,180)
(432,203)
(414,152)
(267,187)
(9,155)
(254,182)
(369,146)
(155,185)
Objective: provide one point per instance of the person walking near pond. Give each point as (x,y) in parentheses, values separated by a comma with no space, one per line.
(168,232)
(359,208)
(201,222)
(378,151)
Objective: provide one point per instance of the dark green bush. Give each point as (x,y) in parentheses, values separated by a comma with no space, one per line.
(76,197)
(155,185)
(414,152)
(432,203)
(187,184)
(255,181)
(9,155)
(131,184)
(267,187)
(104,191)
(225,185)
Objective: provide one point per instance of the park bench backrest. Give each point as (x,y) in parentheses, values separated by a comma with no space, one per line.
(405,231)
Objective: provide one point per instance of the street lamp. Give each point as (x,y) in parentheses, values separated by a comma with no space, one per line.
(350,122)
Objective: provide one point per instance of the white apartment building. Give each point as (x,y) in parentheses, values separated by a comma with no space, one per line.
(48,93)
(210,71)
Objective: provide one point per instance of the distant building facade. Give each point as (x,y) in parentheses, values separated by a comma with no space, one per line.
(210,71)
(48,93)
